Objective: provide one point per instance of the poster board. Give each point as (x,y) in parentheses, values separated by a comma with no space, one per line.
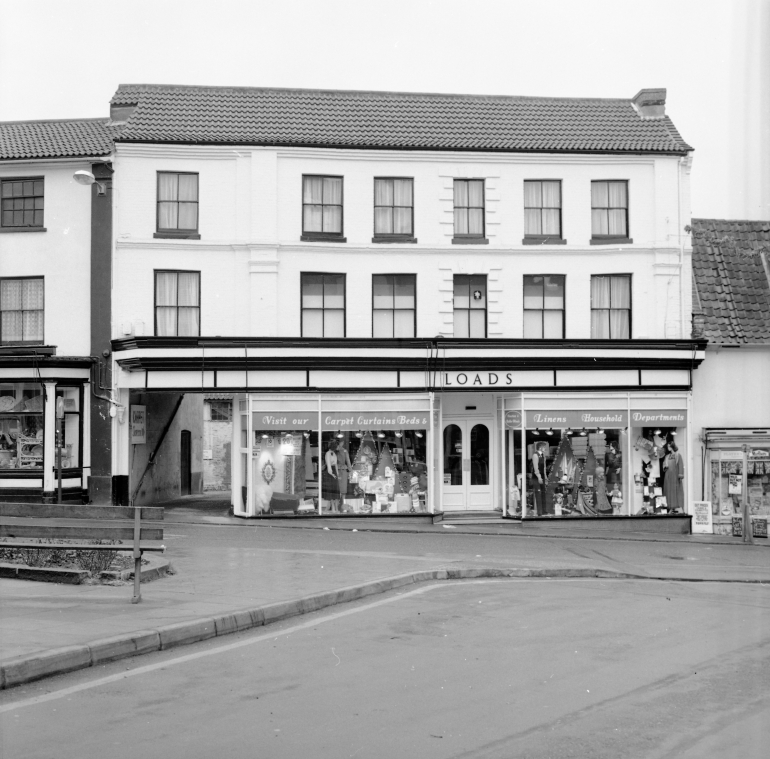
(138,425)
(701,517)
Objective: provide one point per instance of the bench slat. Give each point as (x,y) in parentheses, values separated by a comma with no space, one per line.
(81,547)
(68,532)
(78,511)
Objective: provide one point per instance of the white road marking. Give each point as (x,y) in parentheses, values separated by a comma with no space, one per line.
(238,644)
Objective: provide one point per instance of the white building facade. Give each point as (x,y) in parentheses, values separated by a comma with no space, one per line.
(55,254)
(437,283)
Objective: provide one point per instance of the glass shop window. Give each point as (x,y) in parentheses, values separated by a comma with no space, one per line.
(21,426)
(727,485)
(574,472)
(658,470)
(374,471)
(71,427)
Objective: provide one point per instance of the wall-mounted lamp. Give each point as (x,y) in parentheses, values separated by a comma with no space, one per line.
(418,433)
(536,431)
(86,178)
(399,434)
(583,432)
(380,435)
(600,430)
(657,432)
(549,431)
(568,431)
(340,435)
(359,434)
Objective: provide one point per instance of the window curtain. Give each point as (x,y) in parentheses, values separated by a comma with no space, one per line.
(402,200)
(166,301)
(312,198)
(32,303)
(189,304)
(620,315)
(551,204)
(332,209)
(600,292)
(476,210)
(618,202)
(168,208)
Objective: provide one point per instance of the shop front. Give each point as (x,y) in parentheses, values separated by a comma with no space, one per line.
(330,454)
(737,463)
(32,437)
(593,455)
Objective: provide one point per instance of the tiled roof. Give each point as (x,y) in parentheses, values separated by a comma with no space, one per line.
(732,286)
(55,139)
(267,116)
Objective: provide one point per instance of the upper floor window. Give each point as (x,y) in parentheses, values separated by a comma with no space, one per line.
(21,310)
(323,305)
(177,303)
(393,210)
(611,306)
(609,211)
(393,305)
(544,306)
(542,211)
(470,305)
(21,203)
(322,208)
(469,210)
(177,204)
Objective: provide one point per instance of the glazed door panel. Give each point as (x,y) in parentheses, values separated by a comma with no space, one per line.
(467,477)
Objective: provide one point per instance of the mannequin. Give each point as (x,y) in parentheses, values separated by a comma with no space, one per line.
(673,484)
(538,469)
(343,468)
(331,486)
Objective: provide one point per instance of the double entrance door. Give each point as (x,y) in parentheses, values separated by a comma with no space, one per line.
(466,464)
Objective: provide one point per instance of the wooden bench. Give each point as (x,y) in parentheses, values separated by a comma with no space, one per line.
(87,523)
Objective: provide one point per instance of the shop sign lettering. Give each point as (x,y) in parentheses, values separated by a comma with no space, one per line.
(513,420)
(671,418)
(294,420)
(377,420)
(478,379)
(138,425)
(578,419)
(702,517)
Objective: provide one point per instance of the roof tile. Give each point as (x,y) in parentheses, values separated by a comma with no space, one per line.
(266,116)
(55,139)
(730,279)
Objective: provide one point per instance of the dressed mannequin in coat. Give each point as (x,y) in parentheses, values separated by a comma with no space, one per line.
(673,487)
(538,469)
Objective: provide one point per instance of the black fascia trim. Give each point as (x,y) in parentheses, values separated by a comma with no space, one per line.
(412,148)
(347,363)
(26,349)
(348,343)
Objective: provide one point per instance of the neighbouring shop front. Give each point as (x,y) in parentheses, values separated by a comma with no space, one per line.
(29,455)
(737,468)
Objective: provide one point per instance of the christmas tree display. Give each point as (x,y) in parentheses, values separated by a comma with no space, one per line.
(561,475)
(386,469)
(365,459)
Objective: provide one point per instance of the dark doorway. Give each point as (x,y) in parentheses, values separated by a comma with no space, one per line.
(185,464)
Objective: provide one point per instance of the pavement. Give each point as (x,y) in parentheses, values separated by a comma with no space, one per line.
(233,574)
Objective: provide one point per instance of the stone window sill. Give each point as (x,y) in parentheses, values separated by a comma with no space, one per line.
(177,236)
(470,241)
(543,240)
(6,230)
(394,239)
(611,241)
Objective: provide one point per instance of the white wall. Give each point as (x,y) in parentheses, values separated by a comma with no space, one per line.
(250,254)
(61,254)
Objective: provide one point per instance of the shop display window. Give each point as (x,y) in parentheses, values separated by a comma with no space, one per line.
(659,472)
(574,472)
(71,427)
(284,470)
(727,484)
(21,426)
(350,472)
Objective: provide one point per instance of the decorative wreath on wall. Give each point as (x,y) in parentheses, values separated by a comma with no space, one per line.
(268,472)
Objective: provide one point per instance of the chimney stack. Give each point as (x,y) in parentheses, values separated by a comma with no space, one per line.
(650,104)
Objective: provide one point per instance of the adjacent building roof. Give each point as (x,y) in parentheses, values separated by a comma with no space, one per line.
(395,120)
(70,138)
(731,279)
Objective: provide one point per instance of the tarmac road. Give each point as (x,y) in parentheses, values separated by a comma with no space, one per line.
(492,669)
